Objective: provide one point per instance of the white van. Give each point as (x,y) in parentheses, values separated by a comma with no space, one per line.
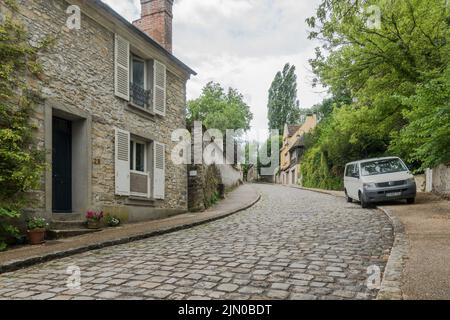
(381,179)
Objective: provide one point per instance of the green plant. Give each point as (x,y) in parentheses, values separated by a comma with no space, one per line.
(112,221)
(21,163)
(215,197)
(37,223)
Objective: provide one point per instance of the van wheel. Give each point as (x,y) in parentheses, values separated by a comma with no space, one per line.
(349,200)
(410,200)
(364,204)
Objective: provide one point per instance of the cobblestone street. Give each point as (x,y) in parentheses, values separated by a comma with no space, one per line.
(293,244)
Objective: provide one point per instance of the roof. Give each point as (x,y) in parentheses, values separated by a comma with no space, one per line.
(292,129)
(300,142)
(100,4)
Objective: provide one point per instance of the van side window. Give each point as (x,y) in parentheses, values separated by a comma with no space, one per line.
(356,171)
(349,170)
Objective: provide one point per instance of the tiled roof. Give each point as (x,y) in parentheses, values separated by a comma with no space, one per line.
(292,129)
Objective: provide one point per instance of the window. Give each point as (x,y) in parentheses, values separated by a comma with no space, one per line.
(138,156)
(382,167)
(139,94)
(349,170)
(138,72)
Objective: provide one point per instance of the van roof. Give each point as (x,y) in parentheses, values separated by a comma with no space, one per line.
(372,159)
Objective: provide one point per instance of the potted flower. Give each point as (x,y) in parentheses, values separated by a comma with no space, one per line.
(36,230)
(94,219)
(112,221)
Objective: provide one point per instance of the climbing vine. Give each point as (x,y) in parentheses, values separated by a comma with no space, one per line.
(21,163)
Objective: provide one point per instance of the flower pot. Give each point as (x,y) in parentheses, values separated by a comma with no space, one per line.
(36,236)
(93,224)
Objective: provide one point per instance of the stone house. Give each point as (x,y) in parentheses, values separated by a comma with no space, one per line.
(292,150)
(113,93)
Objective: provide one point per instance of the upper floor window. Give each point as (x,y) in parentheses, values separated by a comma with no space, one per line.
(138,72)
(139,92)
(141,81)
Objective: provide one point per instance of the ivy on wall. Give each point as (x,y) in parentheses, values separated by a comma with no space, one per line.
(21,163)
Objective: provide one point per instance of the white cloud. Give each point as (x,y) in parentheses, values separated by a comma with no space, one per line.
(241,43)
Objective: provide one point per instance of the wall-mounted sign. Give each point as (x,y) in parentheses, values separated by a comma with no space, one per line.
(193,173)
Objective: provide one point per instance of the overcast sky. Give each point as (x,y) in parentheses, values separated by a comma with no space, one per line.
(242,44)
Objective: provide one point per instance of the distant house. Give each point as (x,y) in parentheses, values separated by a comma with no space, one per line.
(292,150)
(113,94)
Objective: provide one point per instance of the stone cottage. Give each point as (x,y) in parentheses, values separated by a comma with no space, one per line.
(113,93)
(292,150)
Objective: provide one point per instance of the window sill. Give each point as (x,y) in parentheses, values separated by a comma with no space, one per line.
(140,201)
(140,111)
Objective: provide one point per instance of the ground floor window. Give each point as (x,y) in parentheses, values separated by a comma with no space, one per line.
(138,156)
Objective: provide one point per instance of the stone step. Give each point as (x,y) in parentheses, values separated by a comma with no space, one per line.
(67,225)
(55,234)
(67,216)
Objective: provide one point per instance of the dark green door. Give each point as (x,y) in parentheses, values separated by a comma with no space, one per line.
(62,165)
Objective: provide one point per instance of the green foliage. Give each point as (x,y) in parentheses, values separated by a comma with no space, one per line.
(21,163)
(211,186)
(283,104)
(215,197)
(218,109)
(393,80)
(112,221)
(426,137)
(316,173)
(37,223)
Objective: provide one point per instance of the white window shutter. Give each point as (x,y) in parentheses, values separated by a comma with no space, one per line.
(159,170)
(122,162)
(159,88)
(122,68)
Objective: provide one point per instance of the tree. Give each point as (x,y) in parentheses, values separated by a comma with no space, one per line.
(21,163)
(395,75)
(283,105)
(220,109)
(426,137)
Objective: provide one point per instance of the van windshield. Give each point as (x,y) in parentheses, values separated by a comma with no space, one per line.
(372,168)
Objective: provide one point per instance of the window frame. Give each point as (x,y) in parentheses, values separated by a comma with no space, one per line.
(134,57)
(133,142)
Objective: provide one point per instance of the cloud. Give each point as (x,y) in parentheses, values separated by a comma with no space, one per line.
(242,43)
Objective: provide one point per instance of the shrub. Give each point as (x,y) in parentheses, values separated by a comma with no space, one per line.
(21,163)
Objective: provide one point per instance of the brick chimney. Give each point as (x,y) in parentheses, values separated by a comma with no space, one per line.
(156,21)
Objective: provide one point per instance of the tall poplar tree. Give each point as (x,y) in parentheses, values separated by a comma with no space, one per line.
(283,104)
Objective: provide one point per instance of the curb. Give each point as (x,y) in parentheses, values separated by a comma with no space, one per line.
(19,264)
(391,282)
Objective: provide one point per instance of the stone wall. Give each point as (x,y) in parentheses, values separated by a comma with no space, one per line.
(204,184)
(420,182)
(231,176)
(79,73)
(440,180)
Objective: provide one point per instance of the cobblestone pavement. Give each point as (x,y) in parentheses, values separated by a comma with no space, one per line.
(293,244)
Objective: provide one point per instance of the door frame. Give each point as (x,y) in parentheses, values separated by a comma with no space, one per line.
(81,155)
